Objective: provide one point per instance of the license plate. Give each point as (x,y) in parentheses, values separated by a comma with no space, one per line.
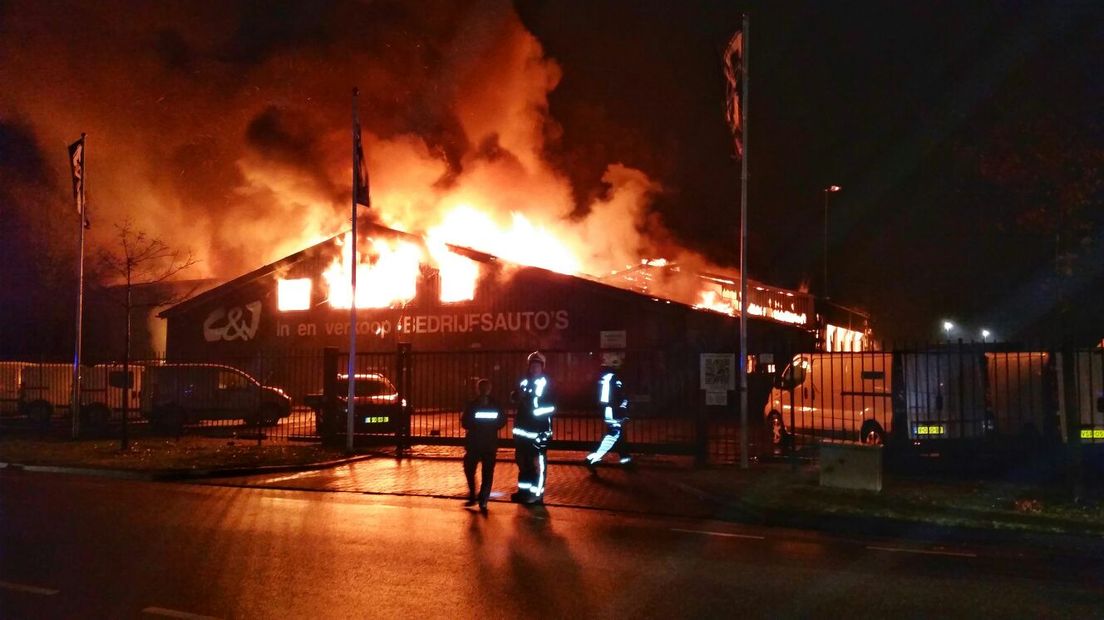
(1092,433)
(377,419)
(930,429)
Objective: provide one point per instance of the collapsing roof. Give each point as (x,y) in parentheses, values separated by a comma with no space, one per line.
(656,279)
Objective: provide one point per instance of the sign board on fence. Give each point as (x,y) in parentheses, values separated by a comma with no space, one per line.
(716,398)
(718,372)
(612,339)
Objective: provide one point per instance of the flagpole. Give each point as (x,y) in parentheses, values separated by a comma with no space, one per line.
(745,132)
(351,371)
(75,402)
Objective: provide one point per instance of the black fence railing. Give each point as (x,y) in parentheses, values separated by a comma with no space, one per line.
(950,398)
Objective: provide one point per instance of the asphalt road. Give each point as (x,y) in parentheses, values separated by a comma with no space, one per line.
(83,547)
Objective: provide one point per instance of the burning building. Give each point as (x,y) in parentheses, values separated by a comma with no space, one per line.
(441,297)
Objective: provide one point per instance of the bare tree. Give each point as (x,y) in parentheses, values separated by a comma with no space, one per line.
(141,259)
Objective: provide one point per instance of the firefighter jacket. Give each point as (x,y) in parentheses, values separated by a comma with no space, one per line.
(482,419)
(611,396)
(535,406)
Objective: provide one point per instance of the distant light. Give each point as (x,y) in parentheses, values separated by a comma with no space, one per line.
(948,326)
(985,334)
(833,188)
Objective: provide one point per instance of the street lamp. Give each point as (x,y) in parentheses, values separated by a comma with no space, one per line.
(948,327)
(831,189)
(985,335)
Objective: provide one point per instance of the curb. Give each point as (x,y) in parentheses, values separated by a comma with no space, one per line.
(181,474)
(738,511)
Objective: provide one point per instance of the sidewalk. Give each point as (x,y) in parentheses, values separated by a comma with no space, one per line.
(779,494)
(767,494)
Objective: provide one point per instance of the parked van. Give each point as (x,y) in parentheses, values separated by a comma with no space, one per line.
(35,390)
(834,395)
(103,394)
(176,394)
(1089,373)
(9,387)
(938,394)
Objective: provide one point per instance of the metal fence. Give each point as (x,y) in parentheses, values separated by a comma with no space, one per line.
(969,399)
(960,398)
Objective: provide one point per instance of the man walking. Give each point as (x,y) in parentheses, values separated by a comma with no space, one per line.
(532,431)
(482,419)
(613,406)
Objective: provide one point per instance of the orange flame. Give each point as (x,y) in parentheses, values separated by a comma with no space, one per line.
(522,242)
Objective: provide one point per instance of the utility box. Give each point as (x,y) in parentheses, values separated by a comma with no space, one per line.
(851,465)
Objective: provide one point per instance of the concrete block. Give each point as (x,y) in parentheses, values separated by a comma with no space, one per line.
(850,465)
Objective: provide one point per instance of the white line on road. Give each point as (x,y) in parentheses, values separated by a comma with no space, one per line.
(956,554)
(18,587)
(722,534)
(172,613)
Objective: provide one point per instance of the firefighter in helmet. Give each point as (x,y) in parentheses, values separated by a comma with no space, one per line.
(613,405)
(532,430)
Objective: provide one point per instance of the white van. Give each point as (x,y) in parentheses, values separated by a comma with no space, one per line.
(938,394)
(101,401)
(836,395)
(1089,373)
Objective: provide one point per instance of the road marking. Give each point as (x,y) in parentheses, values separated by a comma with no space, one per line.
(956,554)
(19,587)
(172,613)
(721,534)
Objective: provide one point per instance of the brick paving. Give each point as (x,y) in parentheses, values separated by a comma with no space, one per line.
(649,487)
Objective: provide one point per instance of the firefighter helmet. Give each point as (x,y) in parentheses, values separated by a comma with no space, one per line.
(536,356)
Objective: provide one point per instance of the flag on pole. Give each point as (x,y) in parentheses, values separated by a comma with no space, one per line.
(76,163)
(360,170)
(734,75)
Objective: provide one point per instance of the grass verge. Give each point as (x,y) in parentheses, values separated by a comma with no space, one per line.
(160,454)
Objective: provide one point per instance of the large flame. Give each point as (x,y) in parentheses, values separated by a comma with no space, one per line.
(520,241)
(387,274)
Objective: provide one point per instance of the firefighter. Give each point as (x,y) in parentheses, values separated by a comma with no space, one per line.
(482,419)
(613,405)
(532,431)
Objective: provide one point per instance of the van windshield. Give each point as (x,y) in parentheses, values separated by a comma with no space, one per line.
(794,374)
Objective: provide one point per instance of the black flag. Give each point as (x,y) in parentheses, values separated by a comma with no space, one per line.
(734,75)
(76,164)
(360,170)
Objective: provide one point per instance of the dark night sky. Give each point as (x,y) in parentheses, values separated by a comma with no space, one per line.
(967,136)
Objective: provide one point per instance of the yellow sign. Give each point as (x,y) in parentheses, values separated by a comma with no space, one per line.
(932,429)
(382,419)
(1092,433)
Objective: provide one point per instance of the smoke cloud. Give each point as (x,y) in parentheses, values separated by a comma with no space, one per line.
(226,129)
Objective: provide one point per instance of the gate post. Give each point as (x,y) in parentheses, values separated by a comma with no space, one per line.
(1072,413)
(701,430)
(327,425)
(402,430)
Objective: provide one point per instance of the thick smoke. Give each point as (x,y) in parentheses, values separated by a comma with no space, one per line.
(225,128)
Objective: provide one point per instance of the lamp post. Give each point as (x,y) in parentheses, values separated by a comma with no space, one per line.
(831,189)
(948,327)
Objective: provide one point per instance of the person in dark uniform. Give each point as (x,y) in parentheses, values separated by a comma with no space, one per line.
(613,406)
(532,431)
(482,419)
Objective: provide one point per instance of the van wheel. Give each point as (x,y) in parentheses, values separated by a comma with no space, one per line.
(39,414)
(776,430)
(168,419)
(97,415)
(872,434)
(268,414)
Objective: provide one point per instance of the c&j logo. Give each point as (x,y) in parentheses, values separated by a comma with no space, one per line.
(230,326)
